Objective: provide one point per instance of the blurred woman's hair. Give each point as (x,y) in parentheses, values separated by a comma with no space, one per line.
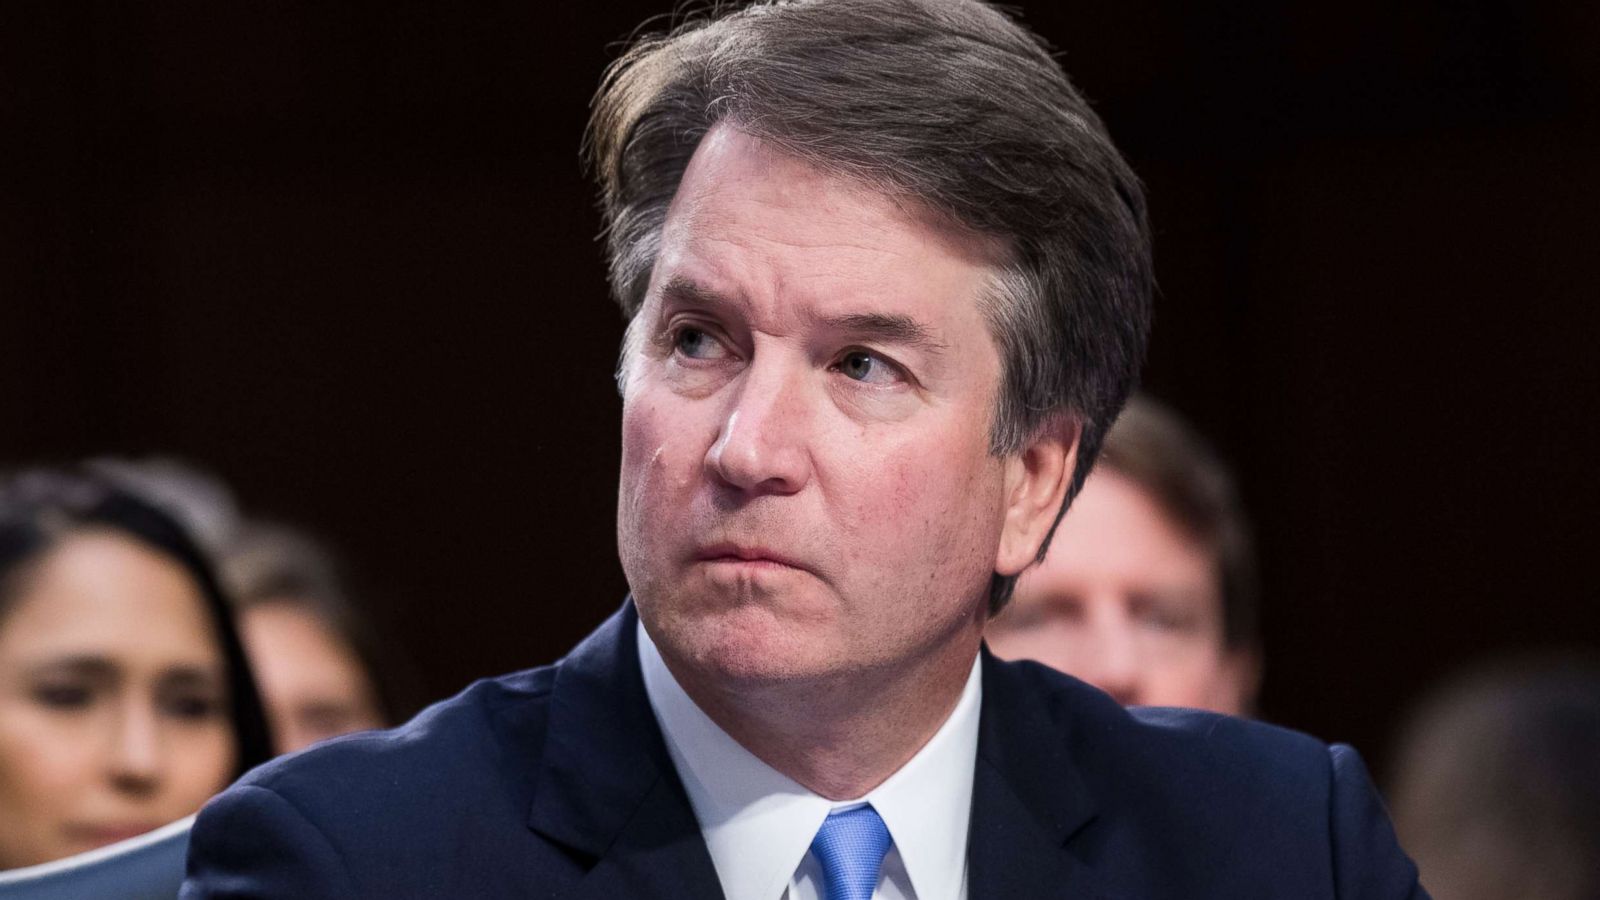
(40,508)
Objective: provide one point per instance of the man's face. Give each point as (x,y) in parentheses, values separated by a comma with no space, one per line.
(1128,602)
(806,487)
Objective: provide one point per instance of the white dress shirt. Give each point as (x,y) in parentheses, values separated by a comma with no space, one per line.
(758,823)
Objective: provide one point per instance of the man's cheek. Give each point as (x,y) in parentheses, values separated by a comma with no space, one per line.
(658,496)
(917,490)
(889,512)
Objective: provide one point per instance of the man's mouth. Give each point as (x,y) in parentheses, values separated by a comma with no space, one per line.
(751,556)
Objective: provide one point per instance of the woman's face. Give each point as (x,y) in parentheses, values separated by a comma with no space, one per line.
(314,685)
(113,700)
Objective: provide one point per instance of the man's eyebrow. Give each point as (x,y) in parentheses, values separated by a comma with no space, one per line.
(888,328)
(82,665)
(186,675)
(686,290)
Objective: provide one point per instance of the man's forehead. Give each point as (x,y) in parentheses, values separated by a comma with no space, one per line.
(754,229)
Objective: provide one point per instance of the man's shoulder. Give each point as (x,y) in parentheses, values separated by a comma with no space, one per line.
(1179,802)
(1168,758)
(447,804)
(1161,729)
(487,738)
(435,807)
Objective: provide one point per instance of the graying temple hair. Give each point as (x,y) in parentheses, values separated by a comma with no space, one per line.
(947,103)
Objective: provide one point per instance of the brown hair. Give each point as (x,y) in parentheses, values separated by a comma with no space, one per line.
(1150,446)
(949,103)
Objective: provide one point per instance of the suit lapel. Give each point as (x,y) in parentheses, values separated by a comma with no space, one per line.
(1030,803)
(607,789)
(606,786)
(659,853)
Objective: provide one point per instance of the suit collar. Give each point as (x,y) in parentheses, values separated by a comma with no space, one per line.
(1030,799)
(759,823)
(606,787)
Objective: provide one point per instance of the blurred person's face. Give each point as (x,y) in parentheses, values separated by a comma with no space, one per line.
(113,700)
(312,682)
(806,488)
(1128,602)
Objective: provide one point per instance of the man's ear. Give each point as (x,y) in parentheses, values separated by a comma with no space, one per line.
(1036,485)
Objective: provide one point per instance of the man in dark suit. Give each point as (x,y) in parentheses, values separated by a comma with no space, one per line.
(888,283)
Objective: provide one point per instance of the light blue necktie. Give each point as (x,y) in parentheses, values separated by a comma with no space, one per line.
(850,845)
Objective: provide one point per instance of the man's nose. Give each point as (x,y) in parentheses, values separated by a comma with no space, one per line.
(135,757)
(1112,661)
(762,446)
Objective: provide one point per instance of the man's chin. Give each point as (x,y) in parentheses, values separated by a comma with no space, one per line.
(750,644)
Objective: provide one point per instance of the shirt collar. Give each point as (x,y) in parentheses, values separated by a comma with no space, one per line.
(758,823)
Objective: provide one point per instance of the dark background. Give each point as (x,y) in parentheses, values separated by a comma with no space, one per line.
(345,255)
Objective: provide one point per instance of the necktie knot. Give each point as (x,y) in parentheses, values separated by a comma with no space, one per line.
(851,845)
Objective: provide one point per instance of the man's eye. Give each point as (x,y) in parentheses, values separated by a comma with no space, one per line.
(194,707)
(1166,620)
(63,696)
(868,368)
(696,343)
(1021,616)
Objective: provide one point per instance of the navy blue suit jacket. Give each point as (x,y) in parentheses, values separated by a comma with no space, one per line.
(556,783)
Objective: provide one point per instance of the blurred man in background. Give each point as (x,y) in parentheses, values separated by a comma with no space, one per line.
(1149,589)
(1497,782)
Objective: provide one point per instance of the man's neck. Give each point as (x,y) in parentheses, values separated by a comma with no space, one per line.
(841,736)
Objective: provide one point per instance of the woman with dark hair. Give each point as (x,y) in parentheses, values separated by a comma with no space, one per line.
(125,698)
